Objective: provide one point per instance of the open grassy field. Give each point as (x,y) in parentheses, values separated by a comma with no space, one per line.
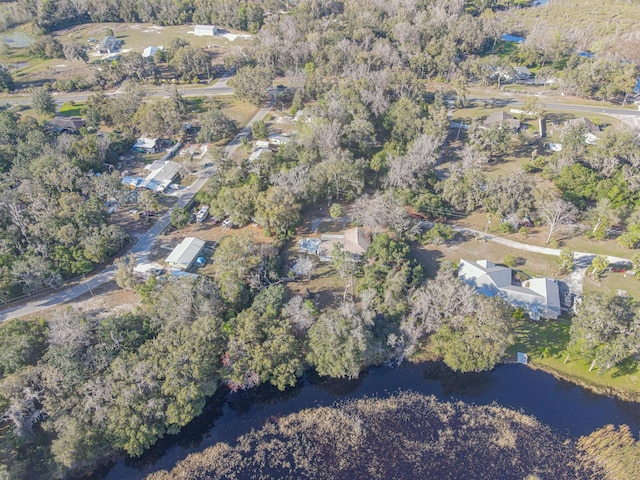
(134,37)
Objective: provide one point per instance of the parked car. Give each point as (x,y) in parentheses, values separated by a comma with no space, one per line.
(174,186)
(227,223)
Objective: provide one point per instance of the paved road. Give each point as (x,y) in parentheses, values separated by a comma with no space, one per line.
(501,102)
(140,249)
(145,243)
(220,88)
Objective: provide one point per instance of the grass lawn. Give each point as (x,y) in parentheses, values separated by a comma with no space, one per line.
(530,263)
(235,109)
(613,283)
(71,109)
(546,344)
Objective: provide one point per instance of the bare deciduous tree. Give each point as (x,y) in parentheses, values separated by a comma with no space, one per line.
(556,213)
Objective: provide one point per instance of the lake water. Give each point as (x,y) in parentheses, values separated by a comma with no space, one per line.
(567,408)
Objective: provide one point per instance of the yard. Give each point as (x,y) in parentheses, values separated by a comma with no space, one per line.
(546,343)
(135,37)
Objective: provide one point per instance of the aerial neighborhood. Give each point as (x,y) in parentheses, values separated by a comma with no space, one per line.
(320,239)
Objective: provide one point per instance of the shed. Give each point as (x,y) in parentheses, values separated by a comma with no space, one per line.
(205,30)
(151,51)
(185,254)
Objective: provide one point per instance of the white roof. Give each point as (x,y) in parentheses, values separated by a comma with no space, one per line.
(256,154)
(185,254)
(144,142)
(162,177)
(205,27)
(151,51)
(539,296)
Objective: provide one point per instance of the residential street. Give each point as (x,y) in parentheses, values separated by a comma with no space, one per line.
(140,249)
(145,243)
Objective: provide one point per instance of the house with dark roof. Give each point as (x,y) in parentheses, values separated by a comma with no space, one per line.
(592,131)
(502,117)
(67,124)
(108,45)
(539,297)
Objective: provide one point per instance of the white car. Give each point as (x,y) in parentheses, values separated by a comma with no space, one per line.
(174,186)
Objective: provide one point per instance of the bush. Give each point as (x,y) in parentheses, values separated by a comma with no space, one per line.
(510,261)
(437,234)
(506,228)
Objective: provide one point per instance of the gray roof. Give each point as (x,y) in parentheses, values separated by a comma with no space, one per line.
(500,117)
(540,297)
(186,253)
(591,127)
(161,178)
(71,124)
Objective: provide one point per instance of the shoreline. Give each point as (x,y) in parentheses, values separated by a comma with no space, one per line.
(600,390)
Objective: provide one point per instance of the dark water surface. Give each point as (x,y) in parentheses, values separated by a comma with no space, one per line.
(567,408)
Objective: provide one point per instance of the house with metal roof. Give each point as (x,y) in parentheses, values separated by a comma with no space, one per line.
(162,175)
(108,45)
(205,30)
(185,254)
(539,297)
(147,145)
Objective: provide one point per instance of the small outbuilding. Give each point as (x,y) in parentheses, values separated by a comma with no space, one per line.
(151,51)
(205,30)
(184,255)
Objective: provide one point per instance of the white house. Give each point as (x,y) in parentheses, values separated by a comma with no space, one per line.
(205,30)
(279,139)
(162,175)
(540,297)
(185,254)
(147,145)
